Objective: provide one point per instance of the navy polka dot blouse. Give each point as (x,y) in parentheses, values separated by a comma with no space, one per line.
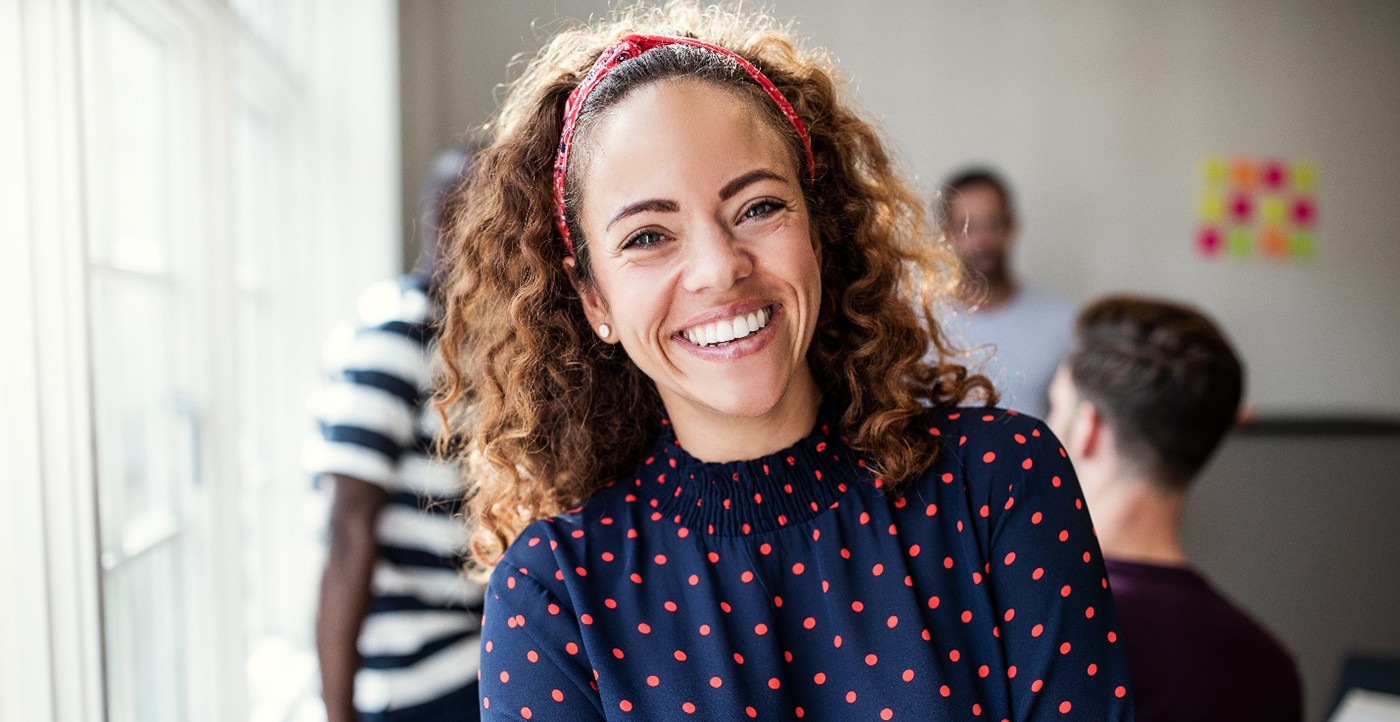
(791,586)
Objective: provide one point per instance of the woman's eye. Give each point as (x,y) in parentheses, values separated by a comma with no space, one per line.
(763,208)
(643,239)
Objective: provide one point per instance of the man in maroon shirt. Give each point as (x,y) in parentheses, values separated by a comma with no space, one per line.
(1140,404)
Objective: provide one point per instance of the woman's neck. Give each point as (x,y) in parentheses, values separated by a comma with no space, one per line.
(711,436)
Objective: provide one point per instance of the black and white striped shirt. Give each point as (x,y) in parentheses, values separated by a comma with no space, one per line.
(421,638)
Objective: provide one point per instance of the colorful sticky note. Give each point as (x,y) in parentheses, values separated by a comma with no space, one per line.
(1256,207)
(1213,172)
(1275,175)
(1305,175)
(1241,242)
(1242,173)
(1208,241)
(1304,245)
(1212,208)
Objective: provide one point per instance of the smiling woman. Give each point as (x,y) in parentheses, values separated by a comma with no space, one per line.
(711,470)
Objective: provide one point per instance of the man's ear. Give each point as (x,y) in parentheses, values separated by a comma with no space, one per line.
(1093,432)
(595,309)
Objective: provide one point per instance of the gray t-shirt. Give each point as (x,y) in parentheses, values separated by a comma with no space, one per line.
(1018,344)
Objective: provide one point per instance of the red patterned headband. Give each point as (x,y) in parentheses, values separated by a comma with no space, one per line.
(626,48)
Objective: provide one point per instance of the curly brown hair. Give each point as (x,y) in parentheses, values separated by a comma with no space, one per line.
(549,413)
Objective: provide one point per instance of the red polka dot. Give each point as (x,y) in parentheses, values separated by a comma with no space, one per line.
(505,676)
(1010,557)
(617,653)
(1120,691)
(798,568)
(704,630)
(533,656)
(571,648)
(1010,615)
(1036,517)
(1093,669)
(1011,672)
(738,658)
(892,622)
(1112,637)
(933,602)
(760,629)
(1038,573)
(983,671)
(886,713)
(908,675)
(871,660)
(945,691)
(1064,648)
(670,606)
(989,457)
(557,695)
(1037,630)
(878,569)
(679,655)
(653,680)
(1027,464)
(1065,707)
(967,616)
(819,678)
(1036,685)
(526,713)
(954,655)
(809,622)
(774,683)
(857,606)
(713,557)
(625,706)
(851,697)
(716,682)
(751,712)
(586,618)
(746,577)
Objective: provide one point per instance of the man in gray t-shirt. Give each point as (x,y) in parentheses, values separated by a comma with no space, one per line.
(1018,334)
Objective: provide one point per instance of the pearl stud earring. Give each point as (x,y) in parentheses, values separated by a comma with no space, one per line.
(604,330)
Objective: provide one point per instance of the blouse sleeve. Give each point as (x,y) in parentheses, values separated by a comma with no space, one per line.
(1057,620)
(533,665)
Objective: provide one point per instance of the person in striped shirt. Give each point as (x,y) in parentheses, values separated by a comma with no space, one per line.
(398,625)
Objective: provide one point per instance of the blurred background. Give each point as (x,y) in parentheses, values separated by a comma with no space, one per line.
(193,191)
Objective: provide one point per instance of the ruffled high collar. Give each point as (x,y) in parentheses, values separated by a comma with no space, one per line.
(753,496)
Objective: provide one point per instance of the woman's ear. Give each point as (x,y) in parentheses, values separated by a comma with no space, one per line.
(595,309)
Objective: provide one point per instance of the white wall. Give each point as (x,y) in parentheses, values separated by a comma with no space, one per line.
(1099,113)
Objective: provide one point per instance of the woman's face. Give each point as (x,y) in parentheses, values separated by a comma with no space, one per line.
(702,259)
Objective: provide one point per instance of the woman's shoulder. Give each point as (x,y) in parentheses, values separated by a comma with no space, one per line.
(978,441)
(552,544)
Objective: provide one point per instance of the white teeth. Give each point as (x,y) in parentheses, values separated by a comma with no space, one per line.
(725,331)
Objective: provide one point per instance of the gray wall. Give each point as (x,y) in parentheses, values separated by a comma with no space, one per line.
(1099,112)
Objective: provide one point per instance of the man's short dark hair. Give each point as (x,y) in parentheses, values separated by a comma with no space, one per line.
(1165,378)
(975,176)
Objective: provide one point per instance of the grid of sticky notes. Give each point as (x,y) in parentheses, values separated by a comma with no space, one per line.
(1252,208)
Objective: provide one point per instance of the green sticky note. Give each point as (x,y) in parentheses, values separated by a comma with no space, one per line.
(1213,171)
(1240,242)
(1305,175)
(1304,245)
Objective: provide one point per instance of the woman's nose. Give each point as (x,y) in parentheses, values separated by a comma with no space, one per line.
(716,259)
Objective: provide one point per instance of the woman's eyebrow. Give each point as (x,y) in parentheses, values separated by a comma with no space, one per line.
(651,204)
(753,176)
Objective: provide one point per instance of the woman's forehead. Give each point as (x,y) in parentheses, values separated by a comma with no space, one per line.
(683,131)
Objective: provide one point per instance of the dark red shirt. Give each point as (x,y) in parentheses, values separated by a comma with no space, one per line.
(1194,655)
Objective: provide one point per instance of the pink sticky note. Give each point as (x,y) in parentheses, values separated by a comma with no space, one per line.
(1304,212)
(1241,206)
(1208,242)
(1275,175)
